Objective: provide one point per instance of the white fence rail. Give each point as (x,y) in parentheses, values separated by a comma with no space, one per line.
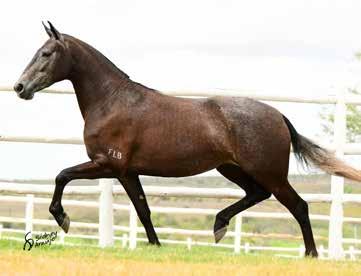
(336,197)
(106,227)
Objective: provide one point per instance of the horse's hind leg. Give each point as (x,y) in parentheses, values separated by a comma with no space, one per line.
(299,209)
(254,194)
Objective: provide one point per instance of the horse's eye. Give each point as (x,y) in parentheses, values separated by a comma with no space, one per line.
(45,54)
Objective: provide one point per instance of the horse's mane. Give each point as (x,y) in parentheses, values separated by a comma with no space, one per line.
(110,64)
(97,54)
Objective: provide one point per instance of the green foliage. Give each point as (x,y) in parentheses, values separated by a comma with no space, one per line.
(353,124)
(353,116)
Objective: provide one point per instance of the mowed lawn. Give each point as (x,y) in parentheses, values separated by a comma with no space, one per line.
(149,260)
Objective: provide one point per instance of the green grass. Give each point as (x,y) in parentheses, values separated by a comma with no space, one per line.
(151,260)
(143,252)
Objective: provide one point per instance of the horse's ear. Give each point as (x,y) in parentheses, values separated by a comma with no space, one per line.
(55,32)
(48,31)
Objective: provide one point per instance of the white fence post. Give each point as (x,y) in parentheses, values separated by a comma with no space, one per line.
(1,230)
(246,248)
(321,252)
(189,243)
(237,234)
(62,237)
(124,240)
(301,251)
(29,213)
(106,231)
(133,217)
(351,251)
(337,183)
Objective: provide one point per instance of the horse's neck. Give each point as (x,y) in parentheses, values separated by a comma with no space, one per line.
(94,78)
(92,90)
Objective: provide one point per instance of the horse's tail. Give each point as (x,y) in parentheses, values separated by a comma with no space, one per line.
(306,151)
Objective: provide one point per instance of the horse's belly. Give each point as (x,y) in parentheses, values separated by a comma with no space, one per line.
(175,169)
(175,166)
(181,153)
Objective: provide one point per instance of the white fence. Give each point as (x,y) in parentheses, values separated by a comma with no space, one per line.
(106,189)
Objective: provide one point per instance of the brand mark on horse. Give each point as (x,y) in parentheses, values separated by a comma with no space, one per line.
(115,154)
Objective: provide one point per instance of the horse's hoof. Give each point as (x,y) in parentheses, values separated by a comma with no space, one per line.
(157,244)
(311,254)
(219,234)
(66,223)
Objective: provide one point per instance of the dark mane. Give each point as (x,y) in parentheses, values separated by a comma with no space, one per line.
(111,65)
(98,54)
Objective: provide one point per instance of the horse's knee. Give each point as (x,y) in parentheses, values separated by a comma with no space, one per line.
(257,194)
(62,178)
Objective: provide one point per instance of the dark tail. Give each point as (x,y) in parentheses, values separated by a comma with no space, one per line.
(306,151)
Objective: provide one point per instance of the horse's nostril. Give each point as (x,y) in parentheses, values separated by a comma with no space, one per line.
(18,87)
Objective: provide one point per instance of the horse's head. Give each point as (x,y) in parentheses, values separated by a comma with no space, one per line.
(50,64)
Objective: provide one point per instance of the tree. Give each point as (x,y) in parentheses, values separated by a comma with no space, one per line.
(353,115)
(353,125)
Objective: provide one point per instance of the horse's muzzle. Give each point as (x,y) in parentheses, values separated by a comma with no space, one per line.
(19,88)
(22,93)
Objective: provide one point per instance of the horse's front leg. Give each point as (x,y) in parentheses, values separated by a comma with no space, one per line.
(134,189)
(88,170)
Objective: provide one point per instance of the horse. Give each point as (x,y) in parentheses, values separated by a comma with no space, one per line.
(132,130)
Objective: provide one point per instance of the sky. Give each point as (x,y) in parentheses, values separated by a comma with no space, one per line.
(269,47)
